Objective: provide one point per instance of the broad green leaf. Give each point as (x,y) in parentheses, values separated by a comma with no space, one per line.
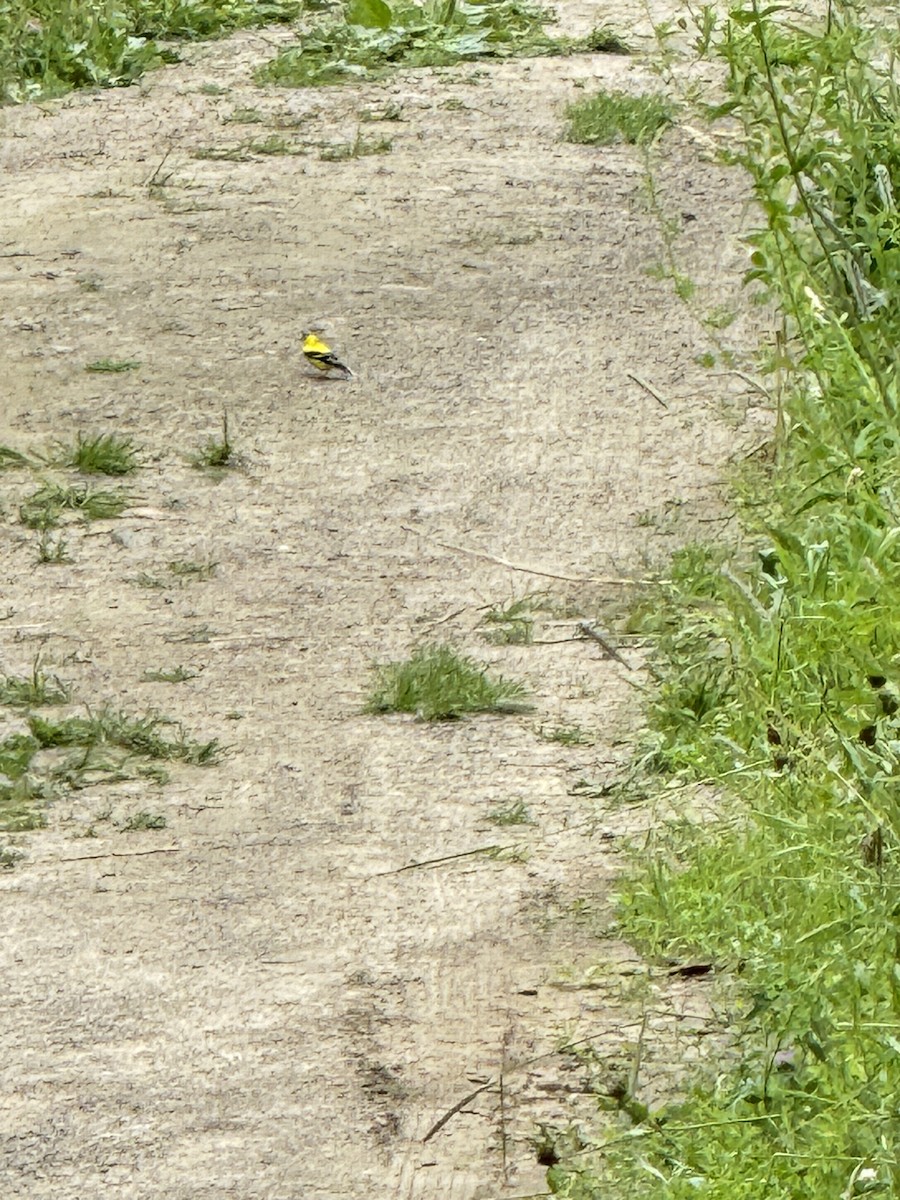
(371,14)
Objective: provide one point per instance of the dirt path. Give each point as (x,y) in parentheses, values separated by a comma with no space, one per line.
(269,1006)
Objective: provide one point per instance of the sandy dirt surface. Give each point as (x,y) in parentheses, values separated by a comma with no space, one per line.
(269,1005)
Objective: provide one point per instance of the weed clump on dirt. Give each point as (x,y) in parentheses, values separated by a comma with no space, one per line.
(617,117)
(47,48)
(44,508)
(217,454)
(37,690)
(374,38)
(438,684)
(144,820)
(56,756)
(137,735)
(358,148)
(102,454)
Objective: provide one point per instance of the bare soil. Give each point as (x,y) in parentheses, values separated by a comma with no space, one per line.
(267,998)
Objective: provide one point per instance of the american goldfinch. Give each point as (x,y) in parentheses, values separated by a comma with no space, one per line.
(322,356)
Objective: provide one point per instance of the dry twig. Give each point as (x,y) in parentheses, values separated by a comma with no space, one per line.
(648,387)
(524,567)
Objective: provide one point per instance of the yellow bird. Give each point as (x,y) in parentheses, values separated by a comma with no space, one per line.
(322,356)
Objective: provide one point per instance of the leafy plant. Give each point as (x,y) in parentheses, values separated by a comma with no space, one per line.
(48,47)
(376,37)
(515,813)
(438,684)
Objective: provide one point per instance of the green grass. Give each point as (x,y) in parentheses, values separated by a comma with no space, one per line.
(438,684)
(720,317)
(390,112)
(59,756)
(515,813)
(374,38)
(188,569)
(201,635)
(143,735)
(173,675)
(44,508)
(48,47)
(10,458)
(604,39)
(513,623)
(102,454)
(274,144)
(33,691)
(217,454)
(112,366)
(246,116)
(610,117)
(23,792)
(358,148)
(144,820)
(778,683)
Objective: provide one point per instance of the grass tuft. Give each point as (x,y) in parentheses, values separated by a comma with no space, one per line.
(217,454)
(513,623)
(137,735)
(438,684)
(515,813)
(102,454)
(52,550)
(566,735)
(44,508)
(612,117)
(34,691)
(10,458)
